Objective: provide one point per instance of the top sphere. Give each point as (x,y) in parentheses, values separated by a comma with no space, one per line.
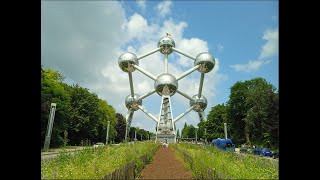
(206,61)
(166,44)
(125,61)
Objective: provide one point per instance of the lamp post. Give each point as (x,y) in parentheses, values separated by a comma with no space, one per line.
(107,137)
(49,127)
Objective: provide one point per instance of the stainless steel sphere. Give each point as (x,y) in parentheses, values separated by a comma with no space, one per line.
(206,62)
(125,59)
(166,44)
(199,104)
(133,102)
(166,84)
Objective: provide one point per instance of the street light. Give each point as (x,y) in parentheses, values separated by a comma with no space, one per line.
(49,127)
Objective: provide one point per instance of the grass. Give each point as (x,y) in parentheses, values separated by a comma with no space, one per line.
(209,162)
(93,163)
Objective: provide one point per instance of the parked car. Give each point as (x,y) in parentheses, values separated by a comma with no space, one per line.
(223,144)
(266,152)
(262,152)
(98,144)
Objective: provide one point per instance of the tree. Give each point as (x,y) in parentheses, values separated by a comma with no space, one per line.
(253,112)
(215,122)
(178,134)
(237,110)
(80,114)
(201,130)
(120,128)
(185,130)
(53,90)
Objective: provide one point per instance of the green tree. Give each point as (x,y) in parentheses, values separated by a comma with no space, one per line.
(237,110)
(184,131)
(253,112)
(201,130)
(191,131)
(53,90)
(120,128)
(178,134)
(215,122)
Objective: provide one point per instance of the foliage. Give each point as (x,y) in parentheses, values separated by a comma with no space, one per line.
(251,114)
(215,122)
(120,128)
(80,114)
(93,163)
(188,131)
(208,162)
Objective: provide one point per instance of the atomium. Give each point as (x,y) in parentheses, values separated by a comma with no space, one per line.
(132,103)
(126,60)
(166,44)
(166,84)
(206,61)
(198,104)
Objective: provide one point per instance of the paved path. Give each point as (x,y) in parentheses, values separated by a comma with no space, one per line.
(165,165)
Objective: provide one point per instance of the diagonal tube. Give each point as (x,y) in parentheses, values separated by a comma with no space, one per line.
(143,71)
(184,95)
(183,114)
(188,72)
(147,54)
(180,52)
(146,95)
(147,113)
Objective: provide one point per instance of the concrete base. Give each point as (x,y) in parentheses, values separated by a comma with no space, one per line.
(166,138)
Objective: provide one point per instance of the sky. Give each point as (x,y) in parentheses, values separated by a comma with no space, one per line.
(83,40)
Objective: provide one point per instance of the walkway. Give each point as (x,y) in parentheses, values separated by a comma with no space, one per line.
(165,165)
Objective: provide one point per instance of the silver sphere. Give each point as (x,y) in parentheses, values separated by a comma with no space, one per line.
(199,104)
(126,59)
(166,44)
(166,84)
(133,102)
(206,61)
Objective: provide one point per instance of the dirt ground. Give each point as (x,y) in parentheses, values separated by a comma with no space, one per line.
(165,165)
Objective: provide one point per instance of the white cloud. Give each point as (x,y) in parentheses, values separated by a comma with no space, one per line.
(272,45)
(268,50)
(141,4)
(192,47)
(164,8)
(137,27)
(250,66)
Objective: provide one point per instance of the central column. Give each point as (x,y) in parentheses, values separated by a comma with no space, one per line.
(165,127)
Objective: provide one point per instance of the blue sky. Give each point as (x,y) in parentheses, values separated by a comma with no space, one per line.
(83,40)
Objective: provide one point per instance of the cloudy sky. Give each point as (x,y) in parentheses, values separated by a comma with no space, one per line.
(84,39)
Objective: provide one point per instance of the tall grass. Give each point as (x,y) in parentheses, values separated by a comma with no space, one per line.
(93,163)
(209,162)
